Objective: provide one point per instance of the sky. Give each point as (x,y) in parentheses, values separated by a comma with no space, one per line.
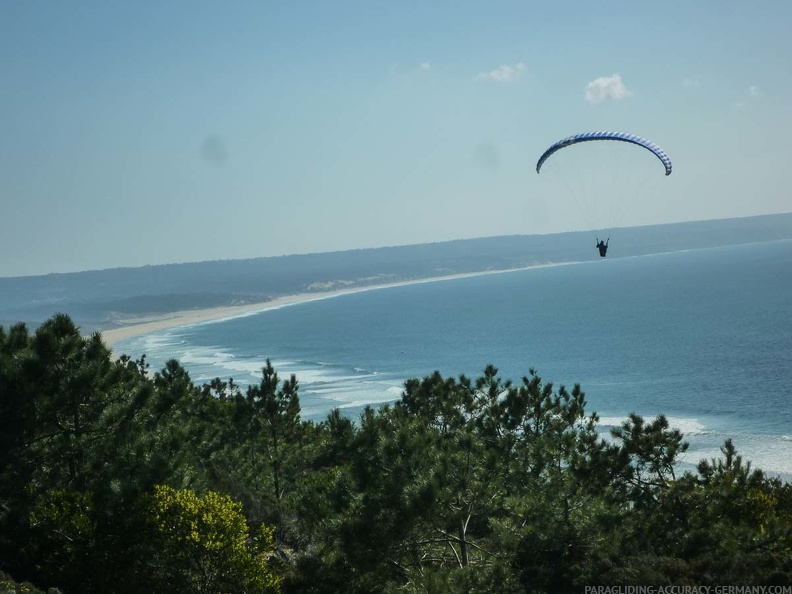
(150,132)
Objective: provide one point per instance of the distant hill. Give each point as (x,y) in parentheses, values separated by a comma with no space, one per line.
(98,299)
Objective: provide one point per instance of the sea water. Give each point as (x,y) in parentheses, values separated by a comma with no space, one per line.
(703,337)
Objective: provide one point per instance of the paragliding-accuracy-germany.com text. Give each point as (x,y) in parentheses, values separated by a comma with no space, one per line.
(688,590)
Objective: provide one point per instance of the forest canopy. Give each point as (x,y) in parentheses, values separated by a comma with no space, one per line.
(118,478)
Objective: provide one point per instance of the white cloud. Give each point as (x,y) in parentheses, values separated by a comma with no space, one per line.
(503,73)
(606,88)
(691,82)
(425,66)
(742,104)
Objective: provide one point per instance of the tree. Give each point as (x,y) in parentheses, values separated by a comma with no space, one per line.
(264,447)
(205,544)
(67,379)
(54,388)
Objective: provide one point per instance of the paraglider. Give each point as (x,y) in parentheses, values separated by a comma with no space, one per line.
(587,188)
(602,246)
(619,136)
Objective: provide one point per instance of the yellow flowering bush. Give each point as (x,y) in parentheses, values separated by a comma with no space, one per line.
(207,541)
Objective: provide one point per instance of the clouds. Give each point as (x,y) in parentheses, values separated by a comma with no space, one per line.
(606,88)
(424,66)
(503,73)
(691,82)
(753,94)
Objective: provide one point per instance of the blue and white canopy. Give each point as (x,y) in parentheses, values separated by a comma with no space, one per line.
(619,136)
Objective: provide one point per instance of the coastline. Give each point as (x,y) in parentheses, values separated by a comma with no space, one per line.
(177,319)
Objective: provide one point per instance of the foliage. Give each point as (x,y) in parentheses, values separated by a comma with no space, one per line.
(62,535)
(206,543)
(9,586)
(117,479)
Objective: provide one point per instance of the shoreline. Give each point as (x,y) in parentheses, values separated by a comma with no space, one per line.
(177,319)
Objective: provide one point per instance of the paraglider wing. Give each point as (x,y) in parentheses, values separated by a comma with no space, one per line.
(619,136)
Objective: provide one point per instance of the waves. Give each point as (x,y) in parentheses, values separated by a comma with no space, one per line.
(771,453)
(323,385)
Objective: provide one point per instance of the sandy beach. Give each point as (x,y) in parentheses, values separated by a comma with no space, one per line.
(145,325)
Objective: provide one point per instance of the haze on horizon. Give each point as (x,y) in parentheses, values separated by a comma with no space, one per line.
(146,133)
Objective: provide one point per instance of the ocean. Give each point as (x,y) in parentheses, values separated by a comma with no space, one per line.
(701,336)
